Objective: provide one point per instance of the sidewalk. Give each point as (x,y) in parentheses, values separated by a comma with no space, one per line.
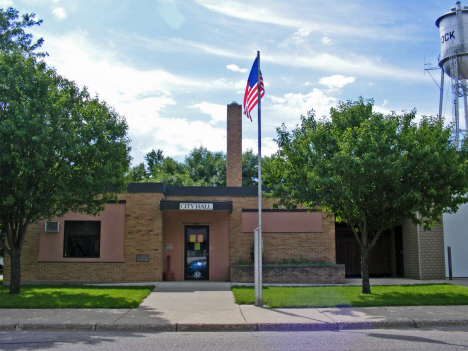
(209,306)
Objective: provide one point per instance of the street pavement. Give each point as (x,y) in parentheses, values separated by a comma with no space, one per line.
(210,306)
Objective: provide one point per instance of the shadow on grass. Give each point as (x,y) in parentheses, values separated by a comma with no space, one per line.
(74,297)
(326,297)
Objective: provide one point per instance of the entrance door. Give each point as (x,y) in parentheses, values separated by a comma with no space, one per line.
(196,252)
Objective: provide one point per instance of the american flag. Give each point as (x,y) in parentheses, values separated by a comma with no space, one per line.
(251,90)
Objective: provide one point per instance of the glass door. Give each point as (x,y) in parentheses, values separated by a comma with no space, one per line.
(196,252)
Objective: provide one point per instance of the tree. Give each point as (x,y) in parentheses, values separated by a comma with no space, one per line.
(12,34)
(153,158)
(172,173)
(206,168)
(249,168)
(138,173)
(60,150)
(370,170)
(200,168)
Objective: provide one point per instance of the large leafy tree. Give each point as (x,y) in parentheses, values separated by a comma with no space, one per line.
(370,170)
(12,34)
(61,150)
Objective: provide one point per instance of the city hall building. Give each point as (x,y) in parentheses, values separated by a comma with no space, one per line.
(156,232)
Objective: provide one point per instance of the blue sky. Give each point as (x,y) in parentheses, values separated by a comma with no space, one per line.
(171,66)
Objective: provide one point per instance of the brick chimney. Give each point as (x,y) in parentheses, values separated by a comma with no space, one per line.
(234,145)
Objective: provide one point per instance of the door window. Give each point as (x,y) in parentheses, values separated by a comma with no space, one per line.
(196,252)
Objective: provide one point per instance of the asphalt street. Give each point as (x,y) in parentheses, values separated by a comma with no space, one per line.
(371,339)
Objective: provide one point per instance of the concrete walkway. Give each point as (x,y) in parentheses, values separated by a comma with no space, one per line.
(209,306)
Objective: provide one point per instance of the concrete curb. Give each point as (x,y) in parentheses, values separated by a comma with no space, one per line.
(7,327)
(148,328)
(297,326)
(55,326)
(248,327)
(376,325)
(216,327)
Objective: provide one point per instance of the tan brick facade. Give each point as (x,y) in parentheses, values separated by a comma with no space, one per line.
(144,235)
(423,251)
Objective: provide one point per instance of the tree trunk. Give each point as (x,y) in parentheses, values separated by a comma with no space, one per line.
(365,271)
(15,279)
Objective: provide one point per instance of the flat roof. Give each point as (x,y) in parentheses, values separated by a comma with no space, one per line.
(231,191)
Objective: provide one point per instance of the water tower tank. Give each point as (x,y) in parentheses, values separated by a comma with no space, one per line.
(453,28)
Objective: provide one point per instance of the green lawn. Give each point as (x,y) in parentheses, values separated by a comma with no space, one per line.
(67,296)
(390,295)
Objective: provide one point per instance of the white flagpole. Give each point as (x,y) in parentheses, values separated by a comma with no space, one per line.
(258,233)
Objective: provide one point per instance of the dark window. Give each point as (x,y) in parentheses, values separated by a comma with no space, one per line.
(82,239)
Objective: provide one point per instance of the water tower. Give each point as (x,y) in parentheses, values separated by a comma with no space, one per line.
(453,28)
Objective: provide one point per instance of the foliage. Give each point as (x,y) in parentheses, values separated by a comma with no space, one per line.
(153,158)
(138,173)
(370,170)
(201,167)
(206,168)
(340,296)
(249,168)
(12,34)
(65,296)
(61,150)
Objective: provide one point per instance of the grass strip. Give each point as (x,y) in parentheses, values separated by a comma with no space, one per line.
(72,296)
(341,296)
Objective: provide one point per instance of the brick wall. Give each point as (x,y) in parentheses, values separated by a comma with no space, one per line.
(234,145)
(332,274)
(423,251)
(143,235)
(278,246)
(432,252)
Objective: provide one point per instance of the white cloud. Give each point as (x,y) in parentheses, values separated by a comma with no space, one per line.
(140,96)
(336,81)
(226,84)
(291,106)
(269,147)
(351,64)
(217,112)
(59,12)
(384,103)
(299,37)
(277,13)
(177,136)
(326,40)
(235,68)
(5,3)
(100,70)
(247,11)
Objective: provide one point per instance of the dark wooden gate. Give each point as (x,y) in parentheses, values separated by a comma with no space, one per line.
(348,253)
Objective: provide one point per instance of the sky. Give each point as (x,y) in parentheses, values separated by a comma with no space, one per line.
(171,67)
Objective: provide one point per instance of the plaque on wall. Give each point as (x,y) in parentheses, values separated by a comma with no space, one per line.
(169,246)
(142,258)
